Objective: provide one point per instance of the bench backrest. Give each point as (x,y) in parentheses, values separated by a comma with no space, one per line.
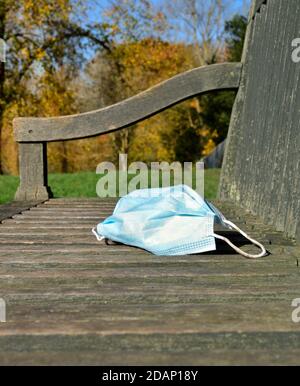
(34,133)
(261,169)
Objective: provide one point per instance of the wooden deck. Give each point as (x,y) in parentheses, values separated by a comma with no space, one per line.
(73,300)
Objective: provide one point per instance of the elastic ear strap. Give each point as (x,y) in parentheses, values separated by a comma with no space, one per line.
(99,238)
(238,250)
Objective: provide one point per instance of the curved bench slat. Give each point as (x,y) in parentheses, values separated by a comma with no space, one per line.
(132,110)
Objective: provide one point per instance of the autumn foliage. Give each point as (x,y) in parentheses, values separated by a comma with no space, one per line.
(48,73)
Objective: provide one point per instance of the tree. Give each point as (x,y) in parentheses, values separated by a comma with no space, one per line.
(216,107)
(134,20)
(42,36)
(235,30)
(144,63)
(136,27)
(200,23)
(55,98)
(184,132)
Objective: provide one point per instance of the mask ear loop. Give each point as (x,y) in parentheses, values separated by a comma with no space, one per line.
(238,250)
(99,238)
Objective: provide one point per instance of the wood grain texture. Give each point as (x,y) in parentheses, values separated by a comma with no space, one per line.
(258,4)
(268,355)
(132,110)
(33,173)
(261,169)
(14,208)
(73,300)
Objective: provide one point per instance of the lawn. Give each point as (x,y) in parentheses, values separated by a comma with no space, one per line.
(83,184)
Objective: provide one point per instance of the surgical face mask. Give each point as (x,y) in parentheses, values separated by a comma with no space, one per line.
(168,221)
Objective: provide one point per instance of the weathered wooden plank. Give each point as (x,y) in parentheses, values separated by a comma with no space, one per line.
(11,226)
(38,231)
(105,255)
(51,204)
(82,248)
(132,110)
(135,270)
(160,296)
(90,298)
(72,209)
(149,319)
(89,202)
(67,215)
(55,216)
(267,344)
(135,357)
(257,5)
(261,164)
(49,222)
(13,208)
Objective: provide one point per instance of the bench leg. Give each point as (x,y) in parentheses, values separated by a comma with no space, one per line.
(33,173)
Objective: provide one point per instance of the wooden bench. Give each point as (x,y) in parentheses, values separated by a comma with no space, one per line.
(73,300)
(34,133)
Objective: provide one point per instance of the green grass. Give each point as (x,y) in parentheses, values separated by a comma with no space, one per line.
(83,184)
(8,186)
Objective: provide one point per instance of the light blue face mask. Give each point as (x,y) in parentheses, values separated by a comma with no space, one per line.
(168,221)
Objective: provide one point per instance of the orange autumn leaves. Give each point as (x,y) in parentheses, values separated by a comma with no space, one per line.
(44,77)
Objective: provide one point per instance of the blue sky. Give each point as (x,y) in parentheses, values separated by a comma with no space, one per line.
(96,7)
(237,6)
